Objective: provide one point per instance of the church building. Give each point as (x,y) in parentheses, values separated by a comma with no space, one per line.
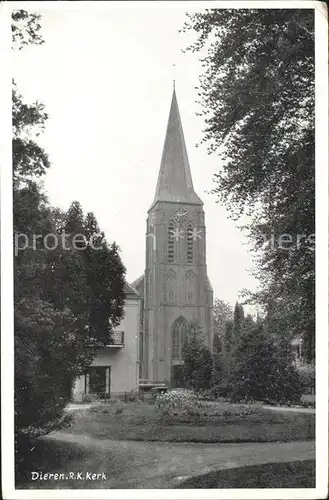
(173,292)
(174,289)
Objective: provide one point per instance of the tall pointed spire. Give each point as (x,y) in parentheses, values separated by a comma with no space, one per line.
(175,180)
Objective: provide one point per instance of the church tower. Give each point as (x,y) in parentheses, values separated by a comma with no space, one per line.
(175,287)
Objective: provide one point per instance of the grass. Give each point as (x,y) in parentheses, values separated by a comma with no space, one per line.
(299,474)
(217,423)
(92,443)
(134,466)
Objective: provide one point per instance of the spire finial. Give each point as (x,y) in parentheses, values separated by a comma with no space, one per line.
(175,180)
(174,81)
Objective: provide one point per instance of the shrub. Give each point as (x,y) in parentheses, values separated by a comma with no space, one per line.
(133,398)
(207,395)
(307,379)
(183,403)
(308,404)
(222,391)
(151,398)
(90,398)
(115,407)
(263,369)
(126,397)
(119,410)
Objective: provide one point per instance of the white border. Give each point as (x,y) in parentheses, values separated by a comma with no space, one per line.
(7,368)
(321,226)
(176,4)
(7,289)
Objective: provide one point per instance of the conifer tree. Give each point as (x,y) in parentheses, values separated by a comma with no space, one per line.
(228,334)
(198,363)
(238,320)
(74,224)
(222,359)
(222,312)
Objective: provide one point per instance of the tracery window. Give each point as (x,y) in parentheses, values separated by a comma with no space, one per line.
(179,337)
(171,285)
(190,284)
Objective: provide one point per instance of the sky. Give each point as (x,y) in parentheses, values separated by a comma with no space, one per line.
(105,74)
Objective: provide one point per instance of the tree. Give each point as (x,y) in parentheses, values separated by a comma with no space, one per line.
(228,334)
(222,312)
(26,29)
(74,221)
(257,96)
(263,369)
(198,363)
(53,293)
(30,161)
(223,363)
(48,347)
(47,357)
(238,318)
(104,273)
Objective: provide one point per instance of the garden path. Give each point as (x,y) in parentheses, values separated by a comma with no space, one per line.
(132,464)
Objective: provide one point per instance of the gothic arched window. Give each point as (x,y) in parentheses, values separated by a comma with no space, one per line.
(179,337)
(189,245)
(171,242)
(190,286)
(171,285)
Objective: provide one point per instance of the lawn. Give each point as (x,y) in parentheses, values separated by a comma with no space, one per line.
(132,464)
(299,474)
(215,423)
(93,442)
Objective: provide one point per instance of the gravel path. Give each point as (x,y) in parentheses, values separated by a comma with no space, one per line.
(290,408)
(296,409)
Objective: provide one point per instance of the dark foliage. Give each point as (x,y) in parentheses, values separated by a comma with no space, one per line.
(255,364)
(257,96)
(262,370)
(56,284)
(198,363)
